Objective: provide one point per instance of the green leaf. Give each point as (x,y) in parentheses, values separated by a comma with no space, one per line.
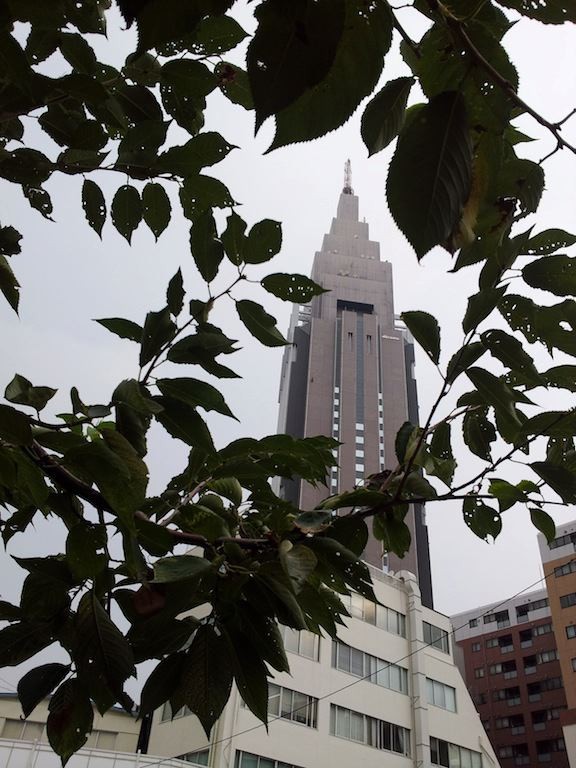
(317,519)
(493,390)
(393,533)
(463,359)
(250,674)
(511,353)
(548,241)
(155,539)
(506,494)
(25,166)
(295,288)
(179,568)
(384,114)
(478,433)
(126,329)
(234,84)
(523,180)
(200,193)
(144,70)
(9,241)
(200,152)
(94,205)
(562,376)
(207,676)
(551,12)
(216,34)
(424,327)
(260,324)
(9,612)
(14,426)
(39,683)
(444,464)
(199,346)
(40,200)
(480,305)
(101,645)
(544,523)
(70,719)
(183,422)
(189,77)
(159,329)
(21,391)
(9,286)
(206,246)
(263,242)
(555,274)
(481,519)
(292,50)
(233,238)
(298,562)
(85,550)
(163,680)
(196,393)
(229,487)
(156,208)
(357,67)
(126,210)
(19,642)
(78,53)
(560,479)
(430,174)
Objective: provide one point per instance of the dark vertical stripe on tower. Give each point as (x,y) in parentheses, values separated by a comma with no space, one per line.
(359,368)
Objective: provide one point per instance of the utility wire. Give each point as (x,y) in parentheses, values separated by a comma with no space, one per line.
(423,647)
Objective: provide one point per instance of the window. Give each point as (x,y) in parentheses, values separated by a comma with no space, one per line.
(292,705)
(441,695)
(303,643)
(567,601)
(564,570)
(473,623)
(369,344)
(561,541)
(249,760)
(386,618)
(379,734)
(167,712)
(479,699)
(355,662)
(359,453)
(436,637)
(102,740)
(197,758)
(453,756)
(492,642)
(546,656)
(476,647)
(501,618)
(25,730)
(510,695)
(522,611)
(479,672)
(573,661)
(543,629)
(571,631)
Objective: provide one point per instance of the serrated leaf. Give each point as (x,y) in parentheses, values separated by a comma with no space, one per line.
(10,241)
(262,242)
(206,246)
(260,324)
(183,422)
(189,77)
(506,493)
(161,682)
(200,152)
(39,683)
(179,568)
(126,210)
(560,479)
(21,391)
(234,84)
(200,193)
(444,463)
(196,393)
(544,523)
(493,391)
(126,329)
(85,550)
(480,305)
(478,433)
(481,519)
(216,34)
(366,39)
(21,641)
(393,533)
(384,114)
(425,329)
(555,274)
(293,49)
(40,200)
(550,12)
(430,174)
(156,208)
(548,241)
(175,294)
(159,329)
(511,353)
(70,718)
(9,286)
(299,562)
(463,359)
(295,288)
(229,487)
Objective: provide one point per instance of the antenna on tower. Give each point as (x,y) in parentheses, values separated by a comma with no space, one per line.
(348,178)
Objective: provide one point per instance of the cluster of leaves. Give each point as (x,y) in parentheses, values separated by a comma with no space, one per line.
(455,180)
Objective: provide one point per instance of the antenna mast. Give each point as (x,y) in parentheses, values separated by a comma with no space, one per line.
(348,178)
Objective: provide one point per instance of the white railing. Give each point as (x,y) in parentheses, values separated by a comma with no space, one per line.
(28,754)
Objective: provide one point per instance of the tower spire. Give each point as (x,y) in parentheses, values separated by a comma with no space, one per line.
(348,178)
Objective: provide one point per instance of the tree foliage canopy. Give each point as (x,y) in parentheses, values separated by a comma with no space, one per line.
(457,179)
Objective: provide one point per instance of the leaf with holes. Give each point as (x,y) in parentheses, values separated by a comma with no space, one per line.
(206,246)
(126,210)
(156,208)
(70,719)
(481,519)
(555,274)
(295,288)
(548,241)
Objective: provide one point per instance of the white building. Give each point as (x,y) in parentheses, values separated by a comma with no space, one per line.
(387,690)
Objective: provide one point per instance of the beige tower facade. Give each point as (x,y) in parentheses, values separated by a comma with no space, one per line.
(349,374)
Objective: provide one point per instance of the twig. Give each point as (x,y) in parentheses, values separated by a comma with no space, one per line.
(403,34)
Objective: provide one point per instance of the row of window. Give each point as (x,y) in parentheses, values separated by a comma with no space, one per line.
(516,724)
(386,618)
(452,756)
(292,705)
(506,642)
(567,601)
(560,541)
(544,751)
(28,730)
(567,568)
(249,760)
(436,637)
(371,731)
(508,668)
(355,662)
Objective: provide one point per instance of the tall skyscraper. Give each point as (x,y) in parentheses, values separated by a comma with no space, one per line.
(349,374)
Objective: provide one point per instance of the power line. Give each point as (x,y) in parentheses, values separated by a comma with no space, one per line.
(365,677)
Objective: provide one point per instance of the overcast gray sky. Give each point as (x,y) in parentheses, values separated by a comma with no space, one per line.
(69,277)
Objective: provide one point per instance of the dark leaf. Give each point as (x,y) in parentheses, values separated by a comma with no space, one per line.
(555,274)
(70,718)
(38,684)
(393,533)
(295,288)
(196,393)
(506,493)
(233,238)
(216,34)
(481,519)
(14,426)
(263,242)
(21,391)
(511,353)
(175,294)
(478,433)
(480,305)
(551,12)
(431,172)
(126,210)
(126,329)
(8,284)
(25,166)
(298,562)
(9,241)
(424,327)
(260,324)
(156,208)
(159,329)
(200,193)
(183,422)
(560,479)
(85,550)
(544,523)
(234,84)
(21,641)
(200,152)
(548,241)
(180,568)
(40,200)
(162,681)
(384,114)
(206,246)
(463,359)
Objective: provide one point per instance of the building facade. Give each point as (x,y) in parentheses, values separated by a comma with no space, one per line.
(559,562)
(349,374)
(387,692)
(510,662)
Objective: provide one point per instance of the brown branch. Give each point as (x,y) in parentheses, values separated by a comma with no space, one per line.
(403,34)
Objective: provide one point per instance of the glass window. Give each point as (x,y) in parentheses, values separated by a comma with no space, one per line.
(571,631)
(436,637)
(274,692)
(566,601)
(369,730)
(200,758)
